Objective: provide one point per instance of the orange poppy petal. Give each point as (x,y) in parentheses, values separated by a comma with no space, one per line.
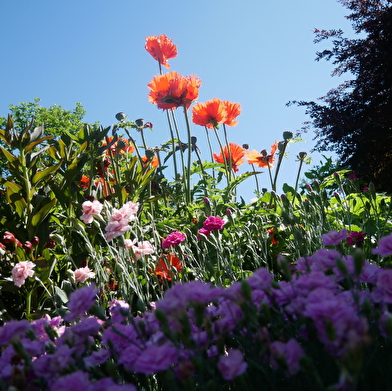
(233,110)
(161,49)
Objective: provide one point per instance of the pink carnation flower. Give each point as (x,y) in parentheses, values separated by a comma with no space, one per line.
(83,274)
(142,248)
(173,239)
(203,231)
(21,271)
(116,228)
(89,210)
(213,223)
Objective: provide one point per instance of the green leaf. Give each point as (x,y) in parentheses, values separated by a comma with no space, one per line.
(36,142)
(9,156)
(43,212)
(41,175)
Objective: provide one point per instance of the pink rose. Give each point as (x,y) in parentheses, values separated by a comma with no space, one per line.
(21,271)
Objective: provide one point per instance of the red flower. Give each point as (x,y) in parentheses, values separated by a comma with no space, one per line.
(262,159)
(233,110)
(154,161)
(161,48)
(166,267)
(209,113)
(214,112)
(120,145)
(173,90)
(272,236)
(234,156)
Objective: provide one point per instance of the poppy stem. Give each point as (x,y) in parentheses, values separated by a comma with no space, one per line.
(223,154)
(281,155)
(257,180)
(188,174)
(210,147)
(181,152)
(299,172)
(230,163)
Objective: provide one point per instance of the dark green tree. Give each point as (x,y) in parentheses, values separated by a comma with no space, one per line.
(355,119)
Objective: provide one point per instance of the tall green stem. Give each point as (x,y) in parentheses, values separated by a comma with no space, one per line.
(281,155)
(227,168)
(188,128)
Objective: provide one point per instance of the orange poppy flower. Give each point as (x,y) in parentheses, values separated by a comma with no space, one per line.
(262,159)
(161,48)
(234,156)
(173,90)
(209,113)
(166,267)
(154,160)
(233,110)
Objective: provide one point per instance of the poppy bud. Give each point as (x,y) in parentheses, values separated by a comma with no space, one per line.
(287,135)
(150,153)
(302,155)
(139,122)
(245,146)
(193,140)
(148,125)
(35,241)
(121,116)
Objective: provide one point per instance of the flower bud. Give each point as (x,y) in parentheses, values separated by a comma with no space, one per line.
(287,135)
(121,116)
(28,246)
(8,237)
(150,153)
(245,146)
(139,122)
(148,125)
(35,241)
(302,155)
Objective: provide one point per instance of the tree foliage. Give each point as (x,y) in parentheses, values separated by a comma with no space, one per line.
(355,118)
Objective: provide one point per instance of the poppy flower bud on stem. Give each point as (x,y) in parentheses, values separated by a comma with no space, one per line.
(121,116)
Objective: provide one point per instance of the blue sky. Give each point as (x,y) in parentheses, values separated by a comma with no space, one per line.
(259,53)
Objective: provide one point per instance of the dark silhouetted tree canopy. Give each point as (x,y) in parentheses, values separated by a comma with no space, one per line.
(355,119)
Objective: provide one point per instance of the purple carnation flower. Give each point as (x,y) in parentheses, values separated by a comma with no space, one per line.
(156,358)
(384,284)
(80,302)
(173,239)
(333,238)
(384,246)
(290,352)
(232,364)
(213,223)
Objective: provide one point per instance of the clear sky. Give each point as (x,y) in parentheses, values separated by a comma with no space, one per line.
(259,53)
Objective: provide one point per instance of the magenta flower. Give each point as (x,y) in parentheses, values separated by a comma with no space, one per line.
(384,246)
(213,223)
(83,274)
(173,239)
(203,231)
(333,238)
(232,364)
(89,210)
(80,302)
(21,271)
(355,237)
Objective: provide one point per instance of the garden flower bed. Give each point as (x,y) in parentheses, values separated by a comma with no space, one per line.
(116,275)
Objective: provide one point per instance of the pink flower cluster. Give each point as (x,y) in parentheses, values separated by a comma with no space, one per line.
(141,248)
(173,239)
(90,208)
(211,223)
(120,219)
(21,271)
